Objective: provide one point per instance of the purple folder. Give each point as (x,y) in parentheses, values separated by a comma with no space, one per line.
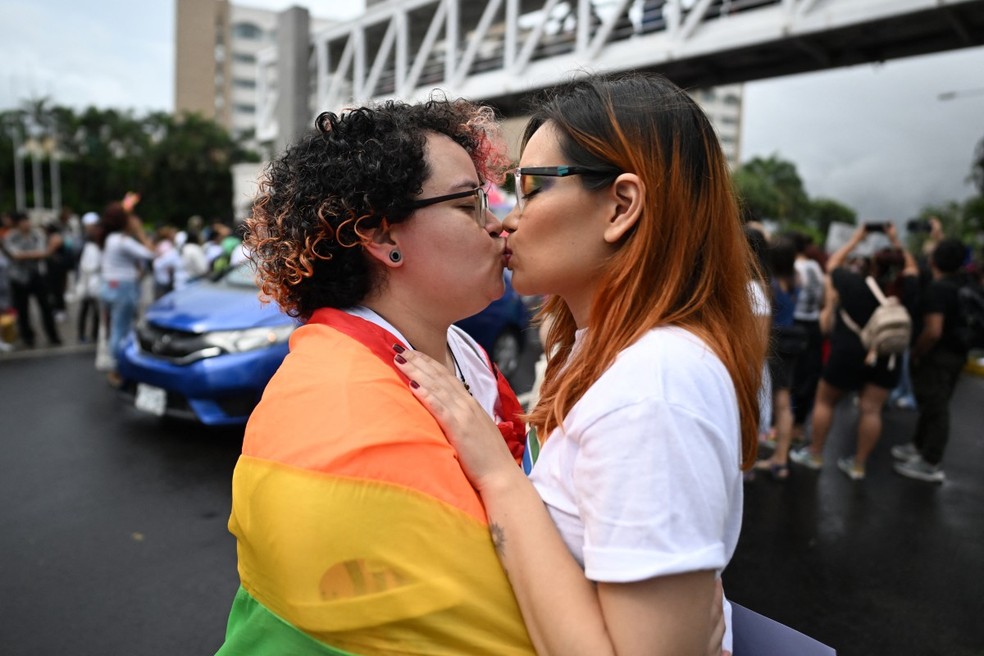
(757,635)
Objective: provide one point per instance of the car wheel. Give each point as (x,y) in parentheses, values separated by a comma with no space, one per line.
(506,351)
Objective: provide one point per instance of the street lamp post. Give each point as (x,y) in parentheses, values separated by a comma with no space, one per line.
(55,164)
(33,147)
(19,201)
(39,146)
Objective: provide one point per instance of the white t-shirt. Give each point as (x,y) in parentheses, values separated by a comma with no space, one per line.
(122,256)
(809,302)
(644,479)
(762,308)
(467,353)
(90,264)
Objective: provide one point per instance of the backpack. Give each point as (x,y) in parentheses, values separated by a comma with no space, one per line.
(887,332)
(970,323)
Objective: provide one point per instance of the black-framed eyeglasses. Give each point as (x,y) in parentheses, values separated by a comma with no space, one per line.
(481,203)
(532,179)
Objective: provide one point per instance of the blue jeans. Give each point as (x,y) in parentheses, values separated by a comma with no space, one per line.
(903,391)
(121,299)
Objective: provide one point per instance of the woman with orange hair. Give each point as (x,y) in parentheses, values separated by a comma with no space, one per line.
(648,412)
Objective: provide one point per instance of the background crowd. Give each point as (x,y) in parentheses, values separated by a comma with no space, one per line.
(104,262)
(812,304)
(889,329)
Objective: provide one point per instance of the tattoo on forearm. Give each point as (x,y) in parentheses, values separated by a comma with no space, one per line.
(498,538)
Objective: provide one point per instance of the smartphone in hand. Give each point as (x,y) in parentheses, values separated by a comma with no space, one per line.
(875,227)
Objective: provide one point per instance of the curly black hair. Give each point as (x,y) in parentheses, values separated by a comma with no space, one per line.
(355,172)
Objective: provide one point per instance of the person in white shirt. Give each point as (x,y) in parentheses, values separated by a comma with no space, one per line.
(806,374)
(648,412)
(126,251)
(184,263)
(89,282)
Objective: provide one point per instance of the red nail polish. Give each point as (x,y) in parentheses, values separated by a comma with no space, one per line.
(414,384)
(398,348)
(400,359)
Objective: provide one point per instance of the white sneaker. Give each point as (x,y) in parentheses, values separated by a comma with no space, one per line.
(847,466)
(805,458)
(920,470)
(905,451)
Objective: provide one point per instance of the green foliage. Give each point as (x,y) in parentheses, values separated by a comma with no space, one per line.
(180,165)
(824,211)
(964,220)
(770,188)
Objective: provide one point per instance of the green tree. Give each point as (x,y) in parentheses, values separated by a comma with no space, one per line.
(181,166)
(824,211)
(964,220)
(190,167)
(771,188)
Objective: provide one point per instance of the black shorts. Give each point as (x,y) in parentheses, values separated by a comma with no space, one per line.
(781,370)
(846,370)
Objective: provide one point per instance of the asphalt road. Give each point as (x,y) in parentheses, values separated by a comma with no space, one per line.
(113,532)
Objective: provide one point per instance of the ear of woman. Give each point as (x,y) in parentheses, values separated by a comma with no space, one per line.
(383,247)
(627,195)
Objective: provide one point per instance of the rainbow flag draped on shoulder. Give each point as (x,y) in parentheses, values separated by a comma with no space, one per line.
(357,531)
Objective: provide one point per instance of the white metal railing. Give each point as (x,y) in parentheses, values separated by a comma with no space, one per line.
(488,48)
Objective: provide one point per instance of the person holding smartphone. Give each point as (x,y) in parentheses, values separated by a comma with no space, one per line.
(896,274)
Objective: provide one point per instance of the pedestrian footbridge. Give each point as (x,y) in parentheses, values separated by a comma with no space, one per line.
(499,51)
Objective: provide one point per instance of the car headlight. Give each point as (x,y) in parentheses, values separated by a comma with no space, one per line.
(251,339)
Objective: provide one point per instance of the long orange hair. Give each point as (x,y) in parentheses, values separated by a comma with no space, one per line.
(685,263)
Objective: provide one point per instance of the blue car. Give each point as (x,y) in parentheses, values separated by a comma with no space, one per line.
(206,352)
(501,328)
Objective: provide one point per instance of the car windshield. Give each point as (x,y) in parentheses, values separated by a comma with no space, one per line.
(243,275)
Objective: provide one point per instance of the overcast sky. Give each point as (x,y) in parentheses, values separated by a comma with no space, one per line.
(875,137)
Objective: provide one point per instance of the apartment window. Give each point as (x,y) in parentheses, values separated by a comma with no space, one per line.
(247,31)
(242,108)
(244,84)
(243,58)
(732,99)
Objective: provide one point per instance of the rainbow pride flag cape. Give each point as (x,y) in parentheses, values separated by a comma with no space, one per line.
(357,530)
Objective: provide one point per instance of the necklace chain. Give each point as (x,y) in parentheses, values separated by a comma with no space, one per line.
(457,367)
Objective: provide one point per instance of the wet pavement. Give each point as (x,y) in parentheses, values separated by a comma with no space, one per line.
(113,530)
(887,565)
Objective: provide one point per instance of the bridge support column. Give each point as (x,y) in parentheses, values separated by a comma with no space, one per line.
(293,40)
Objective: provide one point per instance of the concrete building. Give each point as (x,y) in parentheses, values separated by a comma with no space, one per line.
(723,106)
(216,50)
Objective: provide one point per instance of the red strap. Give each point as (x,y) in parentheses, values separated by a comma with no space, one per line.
(375,338)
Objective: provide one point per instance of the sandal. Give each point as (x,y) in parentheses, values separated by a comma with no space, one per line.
(778,472)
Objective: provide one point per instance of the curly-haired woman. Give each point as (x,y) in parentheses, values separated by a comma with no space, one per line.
(357,530)
(648,411)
